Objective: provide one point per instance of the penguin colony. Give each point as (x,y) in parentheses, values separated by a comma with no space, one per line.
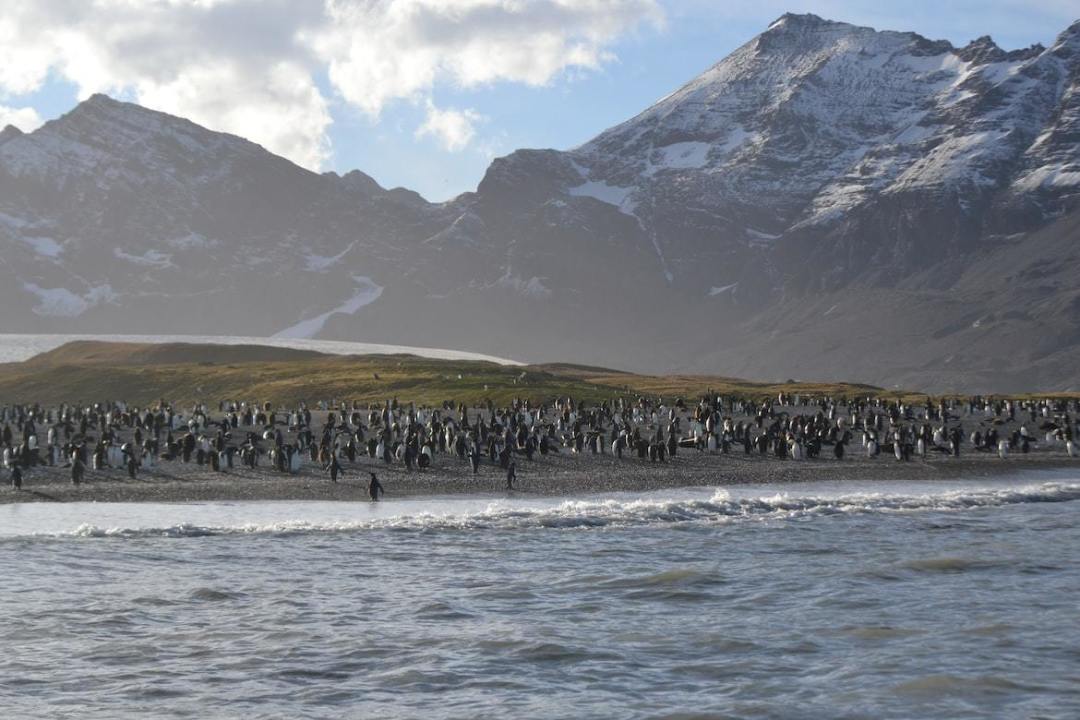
(109,438)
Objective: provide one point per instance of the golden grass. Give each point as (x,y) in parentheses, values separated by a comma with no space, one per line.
(87,372)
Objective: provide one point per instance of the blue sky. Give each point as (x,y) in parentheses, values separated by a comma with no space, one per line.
(339,100)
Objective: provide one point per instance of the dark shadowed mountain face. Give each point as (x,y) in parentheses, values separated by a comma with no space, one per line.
(827,202)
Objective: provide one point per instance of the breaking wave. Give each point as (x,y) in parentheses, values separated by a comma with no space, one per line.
(585,514)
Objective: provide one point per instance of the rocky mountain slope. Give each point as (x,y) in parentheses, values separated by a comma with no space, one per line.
(828,201)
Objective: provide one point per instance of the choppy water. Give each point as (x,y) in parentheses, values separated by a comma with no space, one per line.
(803,601)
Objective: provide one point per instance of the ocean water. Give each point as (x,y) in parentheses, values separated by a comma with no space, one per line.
(19,347)
(875,600)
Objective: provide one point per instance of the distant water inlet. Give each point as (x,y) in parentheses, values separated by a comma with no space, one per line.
(819,600)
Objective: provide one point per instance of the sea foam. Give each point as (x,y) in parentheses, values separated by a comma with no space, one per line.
(721,507)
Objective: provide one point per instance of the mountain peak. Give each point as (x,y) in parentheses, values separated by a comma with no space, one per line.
(1069,39)
(102,106)
(794,20)
(981,50)
(9,133)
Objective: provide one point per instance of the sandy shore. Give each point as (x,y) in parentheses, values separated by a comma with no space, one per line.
(562,474)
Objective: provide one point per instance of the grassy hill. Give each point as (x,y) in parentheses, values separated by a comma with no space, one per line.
(88,371)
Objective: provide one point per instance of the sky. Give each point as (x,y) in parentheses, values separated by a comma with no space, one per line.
(421,94)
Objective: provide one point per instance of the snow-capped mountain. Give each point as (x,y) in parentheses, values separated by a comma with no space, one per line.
(828,201)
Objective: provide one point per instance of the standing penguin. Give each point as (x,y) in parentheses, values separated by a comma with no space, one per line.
(334,468)
(474,458)
(77,469)
(1070,448)
(375,488)
(1003,449)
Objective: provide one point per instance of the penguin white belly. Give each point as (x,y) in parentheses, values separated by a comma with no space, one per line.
(1070,448)
(1003,449)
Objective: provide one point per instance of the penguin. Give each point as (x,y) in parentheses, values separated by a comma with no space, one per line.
(1003,449)
(1070,448)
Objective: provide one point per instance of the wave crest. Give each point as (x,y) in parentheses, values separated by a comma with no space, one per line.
(584,514)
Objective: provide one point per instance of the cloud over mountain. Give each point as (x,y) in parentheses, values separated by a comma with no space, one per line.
(269,69)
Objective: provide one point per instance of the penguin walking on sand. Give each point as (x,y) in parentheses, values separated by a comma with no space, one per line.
(334,468)
(77,469)
(375,488)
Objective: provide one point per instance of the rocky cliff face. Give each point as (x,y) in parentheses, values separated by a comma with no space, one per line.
(828,201)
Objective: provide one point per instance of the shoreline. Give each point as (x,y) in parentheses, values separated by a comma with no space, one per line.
(562,475)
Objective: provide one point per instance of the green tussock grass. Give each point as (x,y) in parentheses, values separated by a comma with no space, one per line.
(87,372)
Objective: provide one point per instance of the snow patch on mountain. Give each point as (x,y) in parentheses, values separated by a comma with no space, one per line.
(533,287)
(322,263)
(610,194)
(762,236)
(685,155)
(43,246)
(1058,176)
(61,302)
(191,241)
(148,258)
(367,293)
(714,291)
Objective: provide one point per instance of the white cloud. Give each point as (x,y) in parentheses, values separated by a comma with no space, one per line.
(454,129)
(250,66)
(24,118)
(381,51)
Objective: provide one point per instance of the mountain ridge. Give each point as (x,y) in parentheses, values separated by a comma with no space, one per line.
(818,162)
